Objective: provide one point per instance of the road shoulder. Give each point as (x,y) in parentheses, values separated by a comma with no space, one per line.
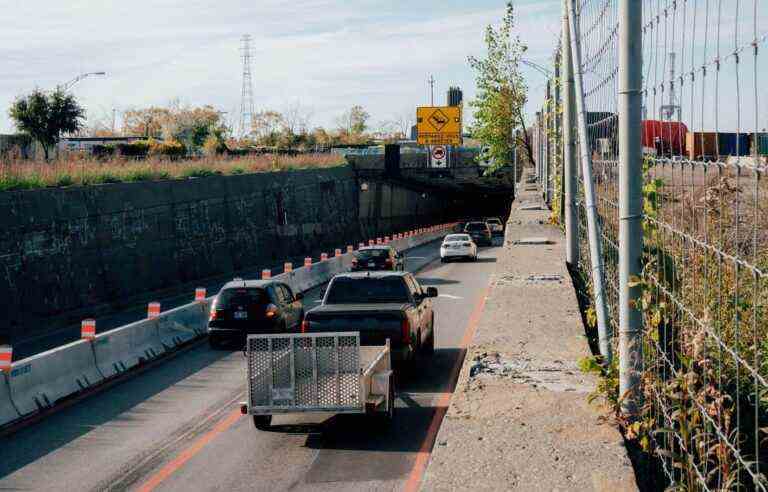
(519,417)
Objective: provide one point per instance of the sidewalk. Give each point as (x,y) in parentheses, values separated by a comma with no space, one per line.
(519,418)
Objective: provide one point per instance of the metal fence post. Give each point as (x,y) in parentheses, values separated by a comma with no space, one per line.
(593,226)
(570,171)
(630,202)
(547,110)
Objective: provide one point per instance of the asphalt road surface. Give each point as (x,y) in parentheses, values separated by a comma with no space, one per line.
(177,426)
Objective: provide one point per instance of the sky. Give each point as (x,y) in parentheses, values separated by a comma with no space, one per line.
(325,55)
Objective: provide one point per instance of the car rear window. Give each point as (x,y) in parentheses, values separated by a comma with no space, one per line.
(368,254)
(242,297)
(346,290)
(476,226)
(456,237)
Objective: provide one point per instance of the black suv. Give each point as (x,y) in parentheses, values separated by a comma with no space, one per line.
(480,233)
(378,258)
(245,307)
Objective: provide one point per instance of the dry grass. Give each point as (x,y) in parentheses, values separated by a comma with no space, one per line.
(76,170)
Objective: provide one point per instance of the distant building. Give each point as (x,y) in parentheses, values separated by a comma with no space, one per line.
(86,144)
(454,96)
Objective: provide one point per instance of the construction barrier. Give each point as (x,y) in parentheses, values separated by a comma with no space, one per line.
(153,310)
(200,294)
(126,347)
(6,357)
(88,329)
(38,382)
(8,412)
(182,324)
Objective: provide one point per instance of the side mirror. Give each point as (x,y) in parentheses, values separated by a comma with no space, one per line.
(299,296)
(431,291)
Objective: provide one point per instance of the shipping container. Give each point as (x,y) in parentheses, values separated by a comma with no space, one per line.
(667,137)
(736,144)
(759,142)
(700,145)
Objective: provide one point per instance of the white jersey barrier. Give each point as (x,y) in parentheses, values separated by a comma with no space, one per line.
(38,382)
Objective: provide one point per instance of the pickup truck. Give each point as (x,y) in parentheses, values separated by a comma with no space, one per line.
(380,306)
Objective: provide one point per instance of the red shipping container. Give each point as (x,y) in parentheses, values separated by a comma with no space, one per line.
(667,137)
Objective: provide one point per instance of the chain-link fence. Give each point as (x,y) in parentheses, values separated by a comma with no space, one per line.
(703,281)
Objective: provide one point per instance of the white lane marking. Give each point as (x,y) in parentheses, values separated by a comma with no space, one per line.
(449,296)
(416,257)
(318,301)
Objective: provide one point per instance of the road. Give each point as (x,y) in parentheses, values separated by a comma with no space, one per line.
(177,426)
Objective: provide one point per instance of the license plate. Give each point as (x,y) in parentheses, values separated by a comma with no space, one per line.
(241,315)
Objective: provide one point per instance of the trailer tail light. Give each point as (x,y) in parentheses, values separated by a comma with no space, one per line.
(271,311)
(406,331)
(305,326)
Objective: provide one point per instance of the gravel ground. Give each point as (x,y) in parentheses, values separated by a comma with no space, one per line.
(519,419)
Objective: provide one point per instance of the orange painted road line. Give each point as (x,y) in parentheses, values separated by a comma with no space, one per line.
(422,457)
(190,452)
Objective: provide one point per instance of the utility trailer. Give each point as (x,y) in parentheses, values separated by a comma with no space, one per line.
(317,372)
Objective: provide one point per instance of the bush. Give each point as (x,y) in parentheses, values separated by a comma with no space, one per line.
(170,148)
(214,146)
(199,172)
(139,148)
(103,150)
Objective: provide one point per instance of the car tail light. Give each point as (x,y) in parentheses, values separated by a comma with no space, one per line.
(406,331)
(214,315)
(305,326)
(271,311)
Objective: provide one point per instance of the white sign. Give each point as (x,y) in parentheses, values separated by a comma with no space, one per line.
(439,156)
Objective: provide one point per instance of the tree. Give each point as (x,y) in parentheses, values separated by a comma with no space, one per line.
(501,92)
(44,117)
(147,122)
(354,121)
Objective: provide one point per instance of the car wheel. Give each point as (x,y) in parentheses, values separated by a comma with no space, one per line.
(443,260)
(262,422)
(429,345)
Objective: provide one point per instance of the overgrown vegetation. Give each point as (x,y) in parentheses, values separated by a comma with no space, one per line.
(705,415)
(19,174)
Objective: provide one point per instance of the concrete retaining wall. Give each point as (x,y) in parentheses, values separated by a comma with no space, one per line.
(71,253)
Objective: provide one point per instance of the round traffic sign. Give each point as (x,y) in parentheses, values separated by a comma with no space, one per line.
(438,152)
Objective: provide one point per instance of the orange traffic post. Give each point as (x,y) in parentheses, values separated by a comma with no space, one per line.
(287,267)
(350,248)
(266,273)
(6,358)
(337,252)
(370,242)
(200,294)
(386,239)
(361,245)
(378,240)
(88,329)
(323,256)
(153,310)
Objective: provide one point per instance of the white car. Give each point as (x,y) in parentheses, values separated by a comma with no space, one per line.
(458,246)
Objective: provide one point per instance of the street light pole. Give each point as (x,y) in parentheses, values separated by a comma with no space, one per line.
(68,85)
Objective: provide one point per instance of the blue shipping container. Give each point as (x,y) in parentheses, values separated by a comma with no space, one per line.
(736,144)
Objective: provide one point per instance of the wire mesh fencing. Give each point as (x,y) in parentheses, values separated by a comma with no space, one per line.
(704,282)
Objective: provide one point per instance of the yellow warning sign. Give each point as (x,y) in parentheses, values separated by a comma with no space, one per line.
(438,125)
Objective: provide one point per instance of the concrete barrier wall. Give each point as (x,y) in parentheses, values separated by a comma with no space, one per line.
(72,253)
(38,382)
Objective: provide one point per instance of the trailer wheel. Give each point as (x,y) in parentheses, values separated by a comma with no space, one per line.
(262,422)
